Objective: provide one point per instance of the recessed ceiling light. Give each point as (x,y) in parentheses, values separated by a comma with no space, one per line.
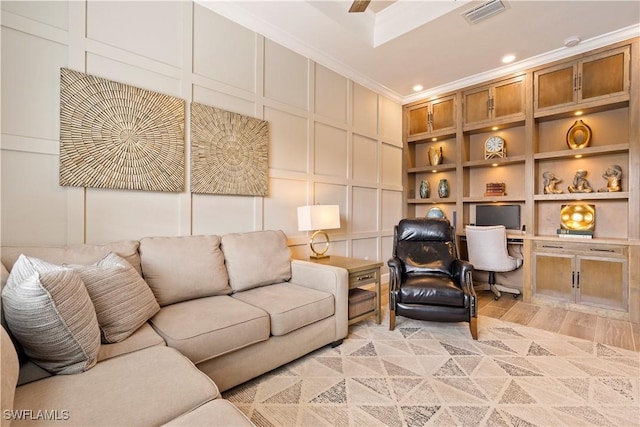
(508,58)
(418,88)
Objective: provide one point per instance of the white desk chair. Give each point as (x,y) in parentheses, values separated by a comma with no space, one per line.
(487,250)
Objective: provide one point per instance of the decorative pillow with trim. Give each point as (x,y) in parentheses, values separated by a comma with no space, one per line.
(122,299)
(48,310)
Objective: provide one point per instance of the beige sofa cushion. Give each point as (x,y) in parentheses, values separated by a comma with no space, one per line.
(208,327)
(143,337)
(10,368)
(256,259)
(122,299)
(217,413)
(48,310)
(290,306)
(183,268)
(143,388)
(73,254)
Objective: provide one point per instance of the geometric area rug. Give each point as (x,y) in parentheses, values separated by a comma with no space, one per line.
(434,374)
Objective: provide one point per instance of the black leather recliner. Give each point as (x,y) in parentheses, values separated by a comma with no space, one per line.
(427,280)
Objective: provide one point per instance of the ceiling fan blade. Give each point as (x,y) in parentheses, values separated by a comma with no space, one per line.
(359,6)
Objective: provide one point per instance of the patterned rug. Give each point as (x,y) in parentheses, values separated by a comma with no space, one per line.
(434,374)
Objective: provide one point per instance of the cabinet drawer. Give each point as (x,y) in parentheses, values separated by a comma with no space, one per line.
(581,248)
(363,277)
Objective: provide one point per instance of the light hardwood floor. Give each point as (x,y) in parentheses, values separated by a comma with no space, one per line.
(580,325)
(616,333)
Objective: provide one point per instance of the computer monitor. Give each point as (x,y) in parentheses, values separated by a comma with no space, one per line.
(507,215)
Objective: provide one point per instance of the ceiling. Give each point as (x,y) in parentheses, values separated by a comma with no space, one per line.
(395,45)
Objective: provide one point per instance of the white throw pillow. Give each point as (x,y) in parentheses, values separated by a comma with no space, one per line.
(48,310)
(122,299)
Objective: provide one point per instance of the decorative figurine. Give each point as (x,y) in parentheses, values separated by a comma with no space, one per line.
(424,189)
(435,156)
(550,182)
(443,188)
(613,175)
(580,183)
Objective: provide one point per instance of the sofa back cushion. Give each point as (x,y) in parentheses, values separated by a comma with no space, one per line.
(256,258)
(73,254)
(183,267)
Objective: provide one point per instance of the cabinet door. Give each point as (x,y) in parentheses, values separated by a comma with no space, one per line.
(602,282)
(418,119)
(604,75)
(476,106)
(443,114)
(552,276)
(508,98)
(555,86)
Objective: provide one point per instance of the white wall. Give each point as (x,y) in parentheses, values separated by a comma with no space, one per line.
(331,139)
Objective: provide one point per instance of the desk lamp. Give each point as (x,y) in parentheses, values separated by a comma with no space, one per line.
(318,218)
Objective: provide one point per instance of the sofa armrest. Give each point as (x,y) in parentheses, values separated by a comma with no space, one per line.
(327,278)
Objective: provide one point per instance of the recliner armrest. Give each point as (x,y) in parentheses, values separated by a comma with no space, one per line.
(461,272)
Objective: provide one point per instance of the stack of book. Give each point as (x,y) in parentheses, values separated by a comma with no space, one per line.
(495,189)
(579,234)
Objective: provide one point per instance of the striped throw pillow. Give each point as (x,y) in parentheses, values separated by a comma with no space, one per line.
(122,299)
(48,310)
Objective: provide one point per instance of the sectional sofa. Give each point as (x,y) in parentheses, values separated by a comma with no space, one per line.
(150,331)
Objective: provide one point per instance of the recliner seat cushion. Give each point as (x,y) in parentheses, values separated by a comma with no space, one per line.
(208,327)
(290,306)
(434,290)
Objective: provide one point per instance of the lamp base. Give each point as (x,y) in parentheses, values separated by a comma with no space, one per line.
(321,254)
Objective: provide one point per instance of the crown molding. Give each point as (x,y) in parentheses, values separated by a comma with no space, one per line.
(235,12)
(545,58)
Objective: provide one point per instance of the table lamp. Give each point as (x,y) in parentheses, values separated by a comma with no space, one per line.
(318,218)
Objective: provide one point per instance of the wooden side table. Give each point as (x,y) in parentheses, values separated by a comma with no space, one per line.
(361,272)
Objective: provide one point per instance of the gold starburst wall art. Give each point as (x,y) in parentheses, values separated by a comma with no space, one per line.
(113,135)
(229,152)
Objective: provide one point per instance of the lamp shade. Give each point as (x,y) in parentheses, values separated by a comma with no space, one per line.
(318,217)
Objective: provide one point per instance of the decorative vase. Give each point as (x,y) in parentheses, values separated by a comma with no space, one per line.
(578,135)
(435,156)
(443,188)
(424,189)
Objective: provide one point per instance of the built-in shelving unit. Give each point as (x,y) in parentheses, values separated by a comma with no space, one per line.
(533,111)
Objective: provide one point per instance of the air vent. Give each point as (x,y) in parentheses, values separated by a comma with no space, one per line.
(483,11)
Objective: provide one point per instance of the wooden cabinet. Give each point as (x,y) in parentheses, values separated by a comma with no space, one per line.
(587,274)
(433,117)
(589,81)
(504,100)
(533,111)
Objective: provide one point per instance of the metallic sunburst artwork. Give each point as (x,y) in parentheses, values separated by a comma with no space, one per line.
(113,135)
(229,152)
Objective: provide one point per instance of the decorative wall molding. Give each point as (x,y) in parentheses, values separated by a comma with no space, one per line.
(113,135)
(229,152)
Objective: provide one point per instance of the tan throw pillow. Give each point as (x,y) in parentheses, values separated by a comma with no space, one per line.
(122,299)
(256,258)
(48,310)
